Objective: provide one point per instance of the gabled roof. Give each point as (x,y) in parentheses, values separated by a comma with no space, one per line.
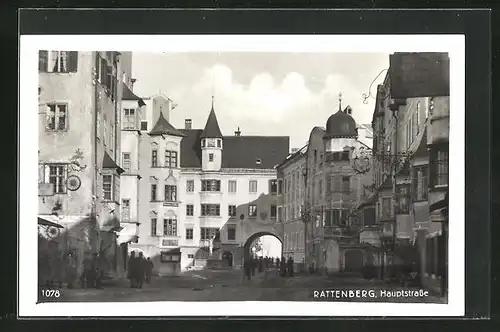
(163,127)
(212,129)
(238,151)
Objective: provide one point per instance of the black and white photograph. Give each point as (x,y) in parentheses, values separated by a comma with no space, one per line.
(217,174)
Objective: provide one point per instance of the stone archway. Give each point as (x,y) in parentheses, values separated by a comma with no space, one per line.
(246,247)
(353,260)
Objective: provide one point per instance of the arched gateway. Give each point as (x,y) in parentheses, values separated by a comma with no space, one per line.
(248,243)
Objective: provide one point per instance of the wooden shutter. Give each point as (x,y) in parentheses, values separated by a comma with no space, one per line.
(72,61)
(43,61)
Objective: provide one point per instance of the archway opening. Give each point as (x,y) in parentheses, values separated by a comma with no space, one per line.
(263,244)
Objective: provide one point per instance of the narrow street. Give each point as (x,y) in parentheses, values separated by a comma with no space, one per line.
(210,285)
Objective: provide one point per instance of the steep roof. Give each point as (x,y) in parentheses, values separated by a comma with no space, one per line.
(257,152)
(163,127)
(108,162)
(212,129)
(127,94)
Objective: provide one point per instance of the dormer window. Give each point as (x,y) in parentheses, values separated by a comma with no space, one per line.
(219,143)
(258,161)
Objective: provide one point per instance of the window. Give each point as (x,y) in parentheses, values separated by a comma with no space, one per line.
(207,233)
(418,117)
(344,156)
(190,186)
(58,61)
(189,234)
(126,162)
(231,232)
(442,168)
(252,186)
(153,226)
(210,157)
(129,118)
(144,125)
(57,117)
(252,210)
(273,211)
(280,214)
(189,210)
(219,143)
(170,158)
(166,257)
(170,227)
(232,211)
(154,158)
(231,184)
(332,217)
(57,176)
(210,210)
(154,189)
(273,187)
(190,256)
(107,187)
(346,184)
(170,193)
(210,185)
(420,183)
(430,107)
(403,192)
(125,209)
(202,143)
(386,208)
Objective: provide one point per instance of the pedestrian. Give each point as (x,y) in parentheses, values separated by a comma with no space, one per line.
(253,264)
(290,266)
(149,270)
(277,263)
(261,264)
(140,270)
(97,270)
(246,269)
(84,277)
(282,267)
(131,270)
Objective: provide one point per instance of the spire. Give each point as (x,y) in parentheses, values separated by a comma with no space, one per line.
(212,101)
(212,129)
(340,101)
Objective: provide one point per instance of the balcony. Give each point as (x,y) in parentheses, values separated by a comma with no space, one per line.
(170,203)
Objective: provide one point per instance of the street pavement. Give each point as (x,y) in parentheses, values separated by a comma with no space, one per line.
(229,285)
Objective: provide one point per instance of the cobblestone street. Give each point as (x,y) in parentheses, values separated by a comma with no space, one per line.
(229,286)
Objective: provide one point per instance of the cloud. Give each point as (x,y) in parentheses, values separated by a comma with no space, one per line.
(259,99)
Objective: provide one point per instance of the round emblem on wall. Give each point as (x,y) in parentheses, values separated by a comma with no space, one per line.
(73,182)
(242,216)
(52,232)
(263,216)
(361,160)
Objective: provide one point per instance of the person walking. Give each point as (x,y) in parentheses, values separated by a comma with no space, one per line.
(290,266)
(140,270)
(282,267)
(247,274)
(261,264)
(131,271)
(149,270)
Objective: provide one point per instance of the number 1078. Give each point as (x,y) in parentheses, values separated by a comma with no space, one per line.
(51,293)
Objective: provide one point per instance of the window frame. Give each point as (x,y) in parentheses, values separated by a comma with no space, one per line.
(171,159)
(170,193)
(231,230)
(231,208)
(129,120)
(211,157)
(210,210)
(154,157)
(207,185)
(252,211)
(154,192)
(125,215)
(54,114)
(154,222)
(189,233)
(229,183)
(111,184)
(420,183)
(170,227)
(206,233)
(189,210)
(60,180)
(125,168)
(250,182)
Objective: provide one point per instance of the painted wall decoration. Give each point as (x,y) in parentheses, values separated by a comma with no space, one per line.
(361,160)
(76,161)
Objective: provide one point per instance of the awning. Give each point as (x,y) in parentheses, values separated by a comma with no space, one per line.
(45,222)
(107,162)
(173,251)
(128,233)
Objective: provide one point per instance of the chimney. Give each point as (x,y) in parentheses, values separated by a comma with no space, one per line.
(188,123)
(238,132)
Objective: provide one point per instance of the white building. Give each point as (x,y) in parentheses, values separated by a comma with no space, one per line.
(203,196)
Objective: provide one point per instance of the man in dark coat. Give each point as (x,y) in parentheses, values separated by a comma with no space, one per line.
(283,267)
(132,270)
(253,263)
(247,269)
(149,270)
(141,270)
(290,266)
(261,264)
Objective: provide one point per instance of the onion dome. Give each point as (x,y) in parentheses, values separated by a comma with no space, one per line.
(341,125)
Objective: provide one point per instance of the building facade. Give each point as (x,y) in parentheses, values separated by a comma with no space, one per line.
(79,151)
(291,193)
(204,196)
(334,189)
(410,173)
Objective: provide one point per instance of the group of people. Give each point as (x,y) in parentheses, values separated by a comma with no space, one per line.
(140,269)
(285,267)
(93,273)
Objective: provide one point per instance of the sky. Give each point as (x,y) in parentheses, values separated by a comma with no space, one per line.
(282,94)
